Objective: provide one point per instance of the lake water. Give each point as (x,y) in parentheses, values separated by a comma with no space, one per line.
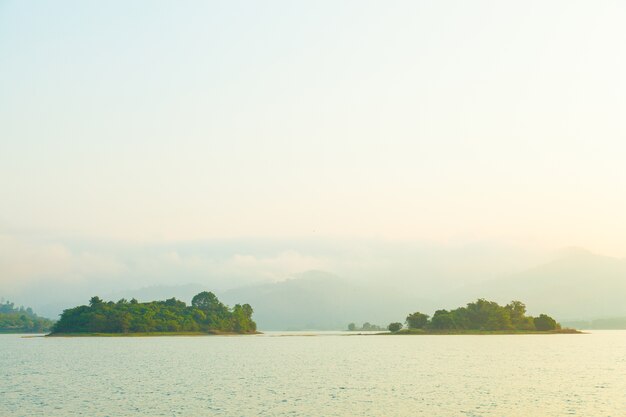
(324,375)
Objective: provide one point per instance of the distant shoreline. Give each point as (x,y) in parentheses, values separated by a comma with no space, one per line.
(4,331)
(420,332)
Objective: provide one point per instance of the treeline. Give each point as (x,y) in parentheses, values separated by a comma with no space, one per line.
(367,327)
(206,314)
(21,320)
(481,315)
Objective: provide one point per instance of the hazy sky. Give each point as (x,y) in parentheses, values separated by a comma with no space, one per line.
(402,120)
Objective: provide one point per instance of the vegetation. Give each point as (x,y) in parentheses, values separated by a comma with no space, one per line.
(480,316)
(394,327)
(205,315)
(367,327)
(21,320)
(417,320)
(544,323)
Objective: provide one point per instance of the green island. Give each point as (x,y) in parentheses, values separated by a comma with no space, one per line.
(172,317)
(21,320)
(479,317)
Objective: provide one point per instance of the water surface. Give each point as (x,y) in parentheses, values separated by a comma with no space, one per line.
(304,375)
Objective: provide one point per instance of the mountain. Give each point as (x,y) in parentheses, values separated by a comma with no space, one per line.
(576,285)
(114,270)
(314,300)
(318,300)
(374,282)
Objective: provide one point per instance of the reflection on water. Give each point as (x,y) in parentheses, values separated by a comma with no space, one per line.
(335,375)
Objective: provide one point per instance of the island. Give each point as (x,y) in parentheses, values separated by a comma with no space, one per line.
(21,320)
(479,317)
(206,315)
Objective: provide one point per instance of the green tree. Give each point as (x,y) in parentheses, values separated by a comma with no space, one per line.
(519,320)
(95,301)
(171,315)
(443,320)
(352,327)
(484,315)
(394,327)
(488,315)
(545,323)
(205,301)
(417,320)
(21,320)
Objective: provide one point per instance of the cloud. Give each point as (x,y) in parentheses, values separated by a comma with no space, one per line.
(52,274)
(275,268)
(26,262)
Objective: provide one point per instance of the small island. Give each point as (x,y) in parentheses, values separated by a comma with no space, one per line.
(479,317)
(206,315)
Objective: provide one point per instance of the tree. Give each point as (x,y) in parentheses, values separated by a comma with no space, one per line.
(21,320)
(174,302)
(417,320)
(442,320)
(205,301)
(94,301)
(484,315)
(545,323)
(394,327)
(517,309)
(519,320)
(487,315)
(247,310)
(352,327)
(241,319)
(171,315)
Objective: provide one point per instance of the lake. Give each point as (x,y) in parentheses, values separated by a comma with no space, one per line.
(286,374)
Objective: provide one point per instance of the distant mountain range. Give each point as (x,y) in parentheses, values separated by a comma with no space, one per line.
(575,285)
(578,285)
(322,301)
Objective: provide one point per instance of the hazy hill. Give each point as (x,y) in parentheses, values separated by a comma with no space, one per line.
(612,323)
(577,285)
(318,300)
(371,282)
(311,300)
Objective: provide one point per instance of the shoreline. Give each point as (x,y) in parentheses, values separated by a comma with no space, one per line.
(419,332)
(151,334)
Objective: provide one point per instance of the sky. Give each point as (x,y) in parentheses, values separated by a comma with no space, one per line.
(450,121)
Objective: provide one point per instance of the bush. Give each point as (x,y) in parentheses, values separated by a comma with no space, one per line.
(545,323)
(394,327)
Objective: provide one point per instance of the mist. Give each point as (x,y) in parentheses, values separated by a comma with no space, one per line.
(342,280)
